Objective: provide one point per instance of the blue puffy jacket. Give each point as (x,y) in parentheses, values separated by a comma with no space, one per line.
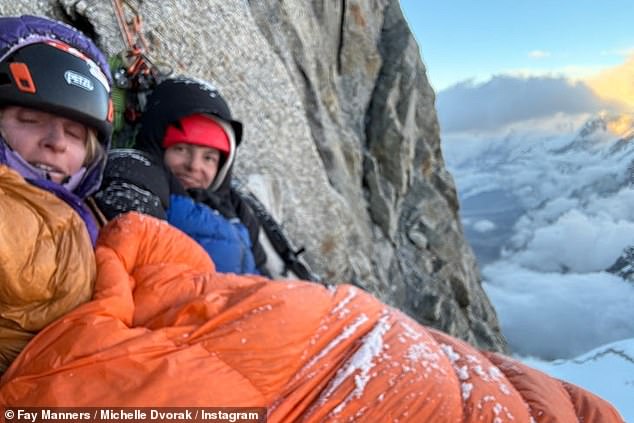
(226,241)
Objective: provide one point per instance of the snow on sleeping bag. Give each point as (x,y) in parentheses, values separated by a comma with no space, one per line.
(165,329)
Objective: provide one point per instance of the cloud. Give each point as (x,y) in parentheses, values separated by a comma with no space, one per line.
(538,54)
(615,84)
(592,243)
(484,226)
(552,315)
(626,52)
(507,99)
(572,72)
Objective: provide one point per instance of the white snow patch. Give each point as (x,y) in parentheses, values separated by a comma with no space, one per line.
(478,370)
(345,334)
(504,388)
(410,332)
(462,372)
(450,353)
(472,359)
(258,310)
(497,408)
(466,390)
(495,373)
(421,353)
(340,307)
(362,361)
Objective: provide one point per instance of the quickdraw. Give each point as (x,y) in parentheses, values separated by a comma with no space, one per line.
(139,67)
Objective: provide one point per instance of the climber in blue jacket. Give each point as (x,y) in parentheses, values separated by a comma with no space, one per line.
(181,171)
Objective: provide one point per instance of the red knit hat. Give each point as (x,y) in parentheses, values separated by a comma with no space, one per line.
(199,130)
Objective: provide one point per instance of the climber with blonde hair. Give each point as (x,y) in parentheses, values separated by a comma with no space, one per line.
(55,127)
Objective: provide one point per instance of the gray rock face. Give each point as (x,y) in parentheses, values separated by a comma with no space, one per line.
(340,123)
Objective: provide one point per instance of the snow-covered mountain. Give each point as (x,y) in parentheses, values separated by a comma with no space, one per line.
(532,175)
(607,371)
(548,207)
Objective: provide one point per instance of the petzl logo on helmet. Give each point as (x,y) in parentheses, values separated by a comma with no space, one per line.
(78,80)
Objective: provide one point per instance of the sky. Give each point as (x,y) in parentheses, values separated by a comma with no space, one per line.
(493,62)
(465,39)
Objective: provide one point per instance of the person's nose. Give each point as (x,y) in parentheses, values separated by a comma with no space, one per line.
(195,162)
(55,138)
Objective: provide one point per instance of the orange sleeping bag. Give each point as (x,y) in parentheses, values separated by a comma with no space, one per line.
(164,329)
(47,264)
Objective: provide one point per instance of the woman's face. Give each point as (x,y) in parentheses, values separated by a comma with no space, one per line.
(52,143)
(194,166)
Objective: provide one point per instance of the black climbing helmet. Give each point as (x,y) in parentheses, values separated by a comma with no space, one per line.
(178,97)
(54,77)
(181,96)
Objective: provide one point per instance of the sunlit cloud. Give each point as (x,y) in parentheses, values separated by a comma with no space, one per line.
(506,99)
(570,72)
(538,54)
(621,125)
(615,84)
(521,94)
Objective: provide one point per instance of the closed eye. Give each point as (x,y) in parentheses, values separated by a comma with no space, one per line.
(76,133)
(30,116)
(29,119)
